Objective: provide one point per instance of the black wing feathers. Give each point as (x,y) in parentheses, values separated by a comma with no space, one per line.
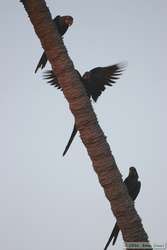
(103,76)
(51,79)
(133,187)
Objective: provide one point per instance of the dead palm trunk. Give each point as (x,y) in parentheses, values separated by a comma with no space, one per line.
(91,134)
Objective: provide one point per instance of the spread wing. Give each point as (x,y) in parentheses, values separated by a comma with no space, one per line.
(96,79)
(50,78)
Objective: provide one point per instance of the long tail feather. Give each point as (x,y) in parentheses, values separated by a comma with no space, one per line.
(42,62)
(70,140)
(113,236)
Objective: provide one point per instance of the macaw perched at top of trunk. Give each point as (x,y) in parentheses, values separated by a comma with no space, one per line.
(62,23)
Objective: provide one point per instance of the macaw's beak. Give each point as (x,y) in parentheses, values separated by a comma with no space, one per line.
(70,22)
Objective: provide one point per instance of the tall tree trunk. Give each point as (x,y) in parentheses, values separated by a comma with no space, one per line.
(91,134)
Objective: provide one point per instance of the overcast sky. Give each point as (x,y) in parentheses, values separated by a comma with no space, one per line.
(50,202)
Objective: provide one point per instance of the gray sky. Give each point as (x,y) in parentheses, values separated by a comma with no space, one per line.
(50,202)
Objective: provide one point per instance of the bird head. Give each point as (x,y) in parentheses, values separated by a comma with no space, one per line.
(68,20)
(133,172)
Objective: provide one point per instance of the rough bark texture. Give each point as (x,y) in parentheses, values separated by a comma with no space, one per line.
(91,134)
